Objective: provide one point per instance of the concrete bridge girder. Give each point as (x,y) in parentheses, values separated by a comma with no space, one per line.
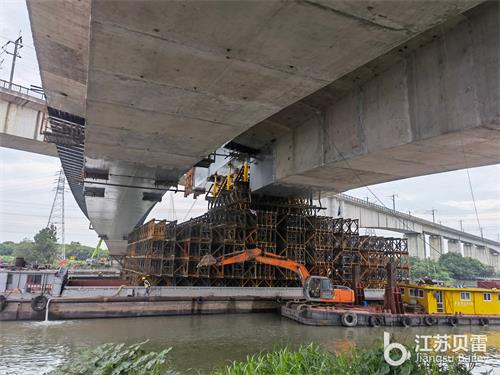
(142,73)
(435,110)
(21,120)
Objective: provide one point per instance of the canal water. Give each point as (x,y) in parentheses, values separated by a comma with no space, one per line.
(200,343)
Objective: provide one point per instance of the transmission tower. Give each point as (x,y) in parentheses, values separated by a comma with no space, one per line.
(56,216)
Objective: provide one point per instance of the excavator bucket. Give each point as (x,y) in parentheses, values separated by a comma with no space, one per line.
(206,261)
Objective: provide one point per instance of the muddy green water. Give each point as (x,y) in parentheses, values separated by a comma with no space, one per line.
(200,342)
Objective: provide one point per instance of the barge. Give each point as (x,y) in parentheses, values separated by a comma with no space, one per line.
(317,315)
(28,294)
(409,305)
(49,294)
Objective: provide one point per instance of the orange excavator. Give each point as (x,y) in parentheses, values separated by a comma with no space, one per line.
(316,288)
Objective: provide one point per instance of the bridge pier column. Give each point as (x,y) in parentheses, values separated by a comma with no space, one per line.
(494,260)
(481,254)
(468,250)
(334,207)
(435,246)
(453,246)
(416,246)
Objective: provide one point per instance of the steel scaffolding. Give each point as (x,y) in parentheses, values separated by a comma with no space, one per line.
(169,252)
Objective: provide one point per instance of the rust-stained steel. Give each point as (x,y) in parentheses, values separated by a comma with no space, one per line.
(169,252)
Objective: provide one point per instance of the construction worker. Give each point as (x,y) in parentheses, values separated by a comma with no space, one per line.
(147,286)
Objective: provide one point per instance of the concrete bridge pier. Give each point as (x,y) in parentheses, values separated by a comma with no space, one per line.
(416,245)
(481,254)
(468,251)
(454,246)
(435,246)
(494,260)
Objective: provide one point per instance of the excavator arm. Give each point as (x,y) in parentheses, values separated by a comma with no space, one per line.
(312,284)
(259,256)
(275,260)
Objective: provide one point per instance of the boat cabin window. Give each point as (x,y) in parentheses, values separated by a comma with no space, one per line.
(498,297)
(465,296)
(419,293)
(9,279)
(402,291)
(487,297)
(34,279)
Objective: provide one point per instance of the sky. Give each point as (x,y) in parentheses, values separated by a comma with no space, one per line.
(27,180)
(14,21)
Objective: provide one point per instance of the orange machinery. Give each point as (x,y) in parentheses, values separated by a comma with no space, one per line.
(316,288)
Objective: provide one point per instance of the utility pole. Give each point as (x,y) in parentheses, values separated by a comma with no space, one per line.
(393,196)
(461,225)
(367,199)
(18,44)
(433,215)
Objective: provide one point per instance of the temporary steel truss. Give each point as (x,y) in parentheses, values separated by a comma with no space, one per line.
(170,252)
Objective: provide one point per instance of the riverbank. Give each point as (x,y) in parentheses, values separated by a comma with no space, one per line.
(120,359)
(199,342)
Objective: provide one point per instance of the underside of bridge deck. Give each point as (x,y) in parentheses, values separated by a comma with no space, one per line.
(162,84)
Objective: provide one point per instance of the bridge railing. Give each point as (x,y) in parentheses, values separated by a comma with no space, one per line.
(404,215)
(22,89)
(374,205)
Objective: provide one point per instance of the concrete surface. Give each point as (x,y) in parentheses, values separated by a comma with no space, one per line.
(435,110)
(21,120)
(162,84)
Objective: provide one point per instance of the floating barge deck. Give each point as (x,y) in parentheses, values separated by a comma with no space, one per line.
(129,301)
(318,315)
(123,307)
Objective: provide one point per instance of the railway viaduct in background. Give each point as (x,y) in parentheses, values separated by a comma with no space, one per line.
(324,96)
(425,238)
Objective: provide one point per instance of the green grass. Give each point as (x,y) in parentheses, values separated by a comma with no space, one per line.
(313,360)
(118,359)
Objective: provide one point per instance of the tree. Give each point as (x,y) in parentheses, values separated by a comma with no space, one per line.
(450,266)
(7,248)
(45,246)
(421,268)
(25,249)
(79,251)
(465,268)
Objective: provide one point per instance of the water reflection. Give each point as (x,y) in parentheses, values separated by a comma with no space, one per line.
(200,342)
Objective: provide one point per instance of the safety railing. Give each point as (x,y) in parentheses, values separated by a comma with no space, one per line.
(380,208)
(22,89)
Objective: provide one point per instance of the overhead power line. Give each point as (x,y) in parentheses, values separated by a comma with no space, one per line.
(375,195)
(18,44)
